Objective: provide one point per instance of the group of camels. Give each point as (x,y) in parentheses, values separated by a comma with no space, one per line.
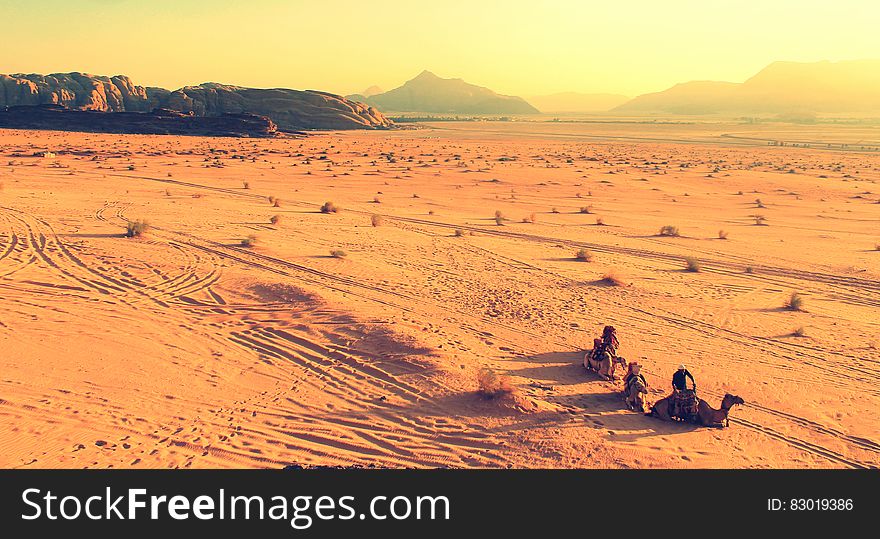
(636,391)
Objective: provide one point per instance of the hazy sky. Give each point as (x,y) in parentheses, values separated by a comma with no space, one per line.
(514,47)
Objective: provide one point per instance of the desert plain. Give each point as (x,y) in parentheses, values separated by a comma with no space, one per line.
(246,328)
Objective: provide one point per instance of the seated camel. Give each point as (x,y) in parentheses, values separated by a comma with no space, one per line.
(706,415)
(604,366)
(634,392)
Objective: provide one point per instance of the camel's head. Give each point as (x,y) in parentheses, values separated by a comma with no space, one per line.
(730,400)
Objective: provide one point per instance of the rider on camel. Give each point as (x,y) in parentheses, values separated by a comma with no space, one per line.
(609,340)
(680,393)
(632,373)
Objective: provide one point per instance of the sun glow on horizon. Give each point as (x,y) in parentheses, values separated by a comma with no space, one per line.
(522,48)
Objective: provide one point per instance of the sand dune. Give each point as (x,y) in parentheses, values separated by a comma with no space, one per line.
(184,348)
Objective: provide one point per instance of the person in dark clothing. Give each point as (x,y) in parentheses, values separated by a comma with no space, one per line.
(679,389)
(679,379)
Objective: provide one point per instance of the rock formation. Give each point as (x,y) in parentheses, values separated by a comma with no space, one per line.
(157,122)
(289,109)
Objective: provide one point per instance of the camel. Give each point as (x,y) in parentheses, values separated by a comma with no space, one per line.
(634,392)
(706,415)
(605,367)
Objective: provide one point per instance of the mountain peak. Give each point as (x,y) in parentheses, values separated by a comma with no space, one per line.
(426,75)
(430,93)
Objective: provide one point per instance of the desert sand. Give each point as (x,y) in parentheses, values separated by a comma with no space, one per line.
(185,348)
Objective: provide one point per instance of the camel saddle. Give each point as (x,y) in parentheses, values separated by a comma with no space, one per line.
(684,405)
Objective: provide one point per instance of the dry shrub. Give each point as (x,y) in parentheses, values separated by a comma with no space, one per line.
(459,232)
(722,234)
(759,220)
(136,229)
(795,302)
(249,241)
(329,207)
(492,385)
(669,230)
(377,220)
(799,332)
(338,253)
(600,221)
(246,185)
(275,219)
(583,255)
(554,210)
(613,279)
(587,209)
(277,203)
(692,264)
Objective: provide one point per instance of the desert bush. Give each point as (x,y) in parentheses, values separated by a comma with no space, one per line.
(799,332)
(459,232)
(749,269)
(491,385)
(554,210)
(377,220)
(329,207)
(136,229)
(271,199)
(600,221)
(246,185)
(586,209)
(795,302)
(249,241)
(669,230)
(338,253)
(692,264)
(275,219)
(759,220)
(583,255)
(722,234)
(376,200)
(613,279)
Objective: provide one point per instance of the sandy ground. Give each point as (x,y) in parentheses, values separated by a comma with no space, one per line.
(185,349)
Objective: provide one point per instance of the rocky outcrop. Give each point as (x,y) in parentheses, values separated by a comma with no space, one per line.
(156,122)
(290,109)
(75,91)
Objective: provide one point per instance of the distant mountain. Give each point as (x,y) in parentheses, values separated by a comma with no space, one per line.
(577,102)
(371,91)
(850,87)
(430,93)
(289,109)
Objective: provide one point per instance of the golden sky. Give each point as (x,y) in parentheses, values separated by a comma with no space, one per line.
(514,47)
